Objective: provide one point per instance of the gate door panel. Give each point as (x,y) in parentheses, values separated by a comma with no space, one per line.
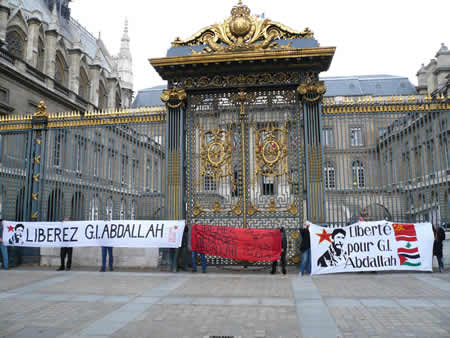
(243,160)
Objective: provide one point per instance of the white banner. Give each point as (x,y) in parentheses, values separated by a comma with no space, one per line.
(371,246)
(132,234)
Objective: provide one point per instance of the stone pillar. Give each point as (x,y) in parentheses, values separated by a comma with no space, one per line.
(112,84)
(4,14)
(94,75)
(175,99)
(31,51)
(74,69)
(50,49)
(311,93)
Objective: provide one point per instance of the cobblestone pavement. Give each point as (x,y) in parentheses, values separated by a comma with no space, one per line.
(35,302)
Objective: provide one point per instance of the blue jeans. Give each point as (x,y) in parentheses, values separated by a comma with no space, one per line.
(110,254)
(194,261)
(4,250)
(306,262)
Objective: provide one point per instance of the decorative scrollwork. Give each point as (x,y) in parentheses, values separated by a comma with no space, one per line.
(271,150)
(242,32)
(215,153)
(41,111)
(174,97)
(311,90)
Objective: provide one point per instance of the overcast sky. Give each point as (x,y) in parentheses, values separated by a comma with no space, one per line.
(372,37)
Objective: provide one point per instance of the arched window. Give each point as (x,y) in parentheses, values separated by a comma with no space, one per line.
(109,209)
(101,96)
(55,206)
(40,55)
(123,209)
(77,206)
(61,70)
(15,43)
(94,208)
(329,173)
(83,90)
(358,174)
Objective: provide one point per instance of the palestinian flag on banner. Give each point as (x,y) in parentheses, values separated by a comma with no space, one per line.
(408,255)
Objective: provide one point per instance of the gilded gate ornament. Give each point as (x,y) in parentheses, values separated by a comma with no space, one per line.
(215,153)
(174,97)
(311,90)
(242,32)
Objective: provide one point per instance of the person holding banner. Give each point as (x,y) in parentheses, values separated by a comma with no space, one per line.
(305,249)
(283,254)
(439,237)
(3,248)
(65,251)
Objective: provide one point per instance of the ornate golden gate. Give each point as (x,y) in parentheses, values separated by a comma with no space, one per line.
(237,96)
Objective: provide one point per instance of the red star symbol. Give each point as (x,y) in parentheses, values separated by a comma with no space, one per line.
(10,228)
(324,236)
(175,227)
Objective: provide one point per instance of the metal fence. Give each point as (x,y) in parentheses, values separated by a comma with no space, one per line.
(386,162)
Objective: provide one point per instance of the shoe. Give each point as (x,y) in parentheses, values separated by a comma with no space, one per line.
(193,270)
(68,268)
(111,269)
(61,268)
(284,272)
(102,270)
(272,272)
(203,271)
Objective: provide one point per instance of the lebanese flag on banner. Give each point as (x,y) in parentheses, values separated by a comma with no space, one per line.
(405,232)
(236,243)
(409,256)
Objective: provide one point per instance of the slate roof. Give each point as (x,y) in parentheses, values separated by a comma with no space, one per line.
(374,85)
(68,28)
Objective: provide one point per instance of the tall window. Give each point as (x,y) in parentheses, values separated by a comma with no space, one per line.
(148,175)
(58,148)
(61,70)
(94,208)
(111,159)
(98,154)
(133,209)
(209,183)
(80,148)
(40,55)
(134,168)
(356,137)
(15,44)
(83,90)
(327,137)
(124,165)
(109,209)
(329,175)
(118,101)
(101,96)
(268,185)
(123,209)
(358,174)
(55,207)
(77,206)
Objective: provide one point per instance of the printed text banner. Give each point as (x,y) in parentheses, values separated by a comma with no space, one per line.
(132,234)
(237,243)
(372,246)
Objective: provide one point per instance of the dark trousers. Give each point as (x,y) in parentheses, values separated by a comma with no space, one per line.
(109,250)
(282,261)
(66,252)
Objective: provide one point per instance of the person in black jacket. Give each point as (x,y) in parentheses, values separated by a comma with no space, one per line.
(305,249)
(283,254)
(439,237)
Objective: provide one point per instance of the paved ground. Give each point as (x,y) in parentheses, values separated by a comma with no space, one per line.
(35,302)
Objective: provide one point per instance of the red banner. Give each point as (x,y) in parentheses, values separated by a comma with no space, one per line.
(237,243)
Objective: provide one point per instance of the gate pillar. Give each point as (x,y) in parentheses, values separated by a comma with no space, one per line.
(175,101)
(311,93)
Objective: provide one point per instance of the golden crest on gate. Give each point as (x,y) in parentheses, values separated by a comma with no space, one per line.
(215,153)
